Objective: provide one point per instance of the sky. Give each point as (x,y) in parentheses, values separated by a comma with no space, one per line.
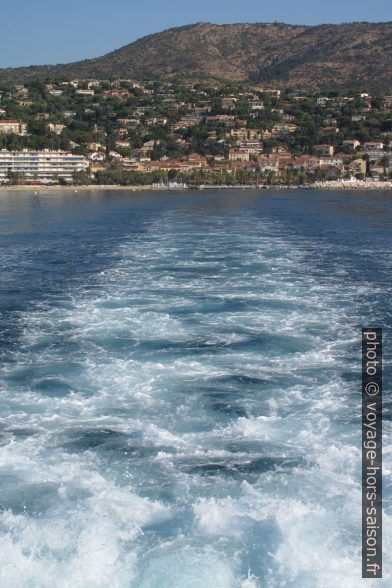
(60,31)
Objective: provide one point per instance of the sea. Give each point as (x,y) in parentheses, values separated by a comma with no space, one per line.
(180,386)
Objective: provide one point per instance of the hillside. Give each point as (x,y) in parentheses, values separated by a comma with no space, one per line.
(356,55)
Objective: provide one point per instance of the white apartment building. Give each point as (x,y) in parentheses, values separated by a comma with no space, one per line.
(41,166)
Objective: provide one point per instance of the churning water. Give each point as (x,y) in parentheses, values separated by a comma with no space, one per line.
(180,388)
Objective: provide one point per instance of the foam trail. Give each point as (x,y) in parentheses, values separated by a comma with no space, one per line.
(186,416)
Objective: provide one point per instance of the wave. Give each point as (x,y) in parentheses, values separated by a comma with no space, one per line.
(184,417)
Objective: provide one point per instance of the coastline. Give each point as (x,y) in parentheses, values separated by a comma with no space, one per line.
(332,185)
(71,188)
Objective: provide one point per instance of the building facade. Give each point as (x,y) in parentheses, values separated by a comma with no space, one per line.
(41,166)
(239,154)
(323,150)
(16,127)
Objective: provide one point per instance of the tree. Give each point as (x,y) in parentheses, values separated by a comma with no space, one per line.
(15,178)
(384,161)
(172,175)
(81,177)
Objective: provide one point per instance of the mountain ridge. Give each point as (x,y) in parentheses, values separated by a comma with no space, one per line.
(348,55)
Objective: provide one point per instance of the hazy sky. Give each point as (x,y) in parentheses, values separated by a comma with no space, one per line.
(59,31)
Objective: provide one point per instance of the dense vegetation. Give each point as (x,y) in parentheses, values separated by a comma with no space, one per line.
(153,132)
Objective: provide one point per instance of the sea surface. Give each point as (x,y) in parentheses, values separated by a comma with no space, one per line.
(180,397)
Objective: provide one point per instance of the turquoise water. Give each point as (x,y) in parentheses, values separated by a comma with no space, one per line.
(180,387)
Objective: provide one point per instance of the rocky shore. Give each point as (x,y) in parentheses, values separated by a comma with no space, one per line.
(357,185)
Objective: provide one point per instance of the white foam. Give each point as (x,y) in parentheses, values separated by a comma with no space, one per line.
(147,366)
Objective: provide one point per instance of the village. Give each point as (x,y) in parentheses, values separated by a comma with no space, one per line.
(125,132)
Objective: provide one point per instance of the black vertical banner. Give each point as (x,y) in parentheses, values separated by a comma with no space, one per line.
(371,453)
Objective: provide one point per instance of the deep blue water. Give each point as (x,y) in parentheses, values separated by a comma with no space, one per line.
(180,387)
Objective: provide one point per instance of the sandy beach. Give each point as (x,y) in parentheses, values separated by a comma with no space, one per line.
(333,185)
(58,188)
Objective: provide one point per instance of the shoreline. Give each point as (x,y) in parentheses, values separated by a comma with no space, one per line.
(333,185)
